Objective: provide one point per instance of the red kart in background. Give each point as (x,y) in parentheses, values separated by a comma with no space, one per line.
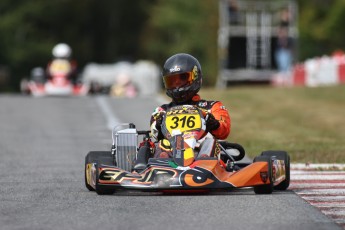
(58,81)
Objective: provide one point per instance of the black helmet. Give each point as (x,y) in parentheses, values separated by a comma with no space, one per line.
(182,77)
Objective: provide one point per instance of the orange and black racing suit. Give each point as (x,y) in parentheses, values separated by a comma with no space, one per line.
(216,108)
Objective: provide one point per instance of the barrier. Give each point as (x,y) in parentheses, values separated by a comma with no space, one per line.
(341,70)
(298,77)
(319,71)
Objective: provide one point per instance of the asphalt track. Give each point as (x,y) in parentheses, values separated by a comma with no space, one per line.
(43,142)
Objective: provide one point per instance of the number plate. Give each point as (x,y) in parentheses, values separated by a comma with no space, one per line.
(183,122)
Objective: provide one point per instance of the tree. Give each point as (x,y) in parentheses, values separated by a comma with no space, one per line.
(184,26)
(98,31)
(321,26)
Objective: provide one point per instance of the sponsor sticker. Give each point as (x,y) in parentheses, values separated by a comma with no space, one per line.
(175,69)
(202,104)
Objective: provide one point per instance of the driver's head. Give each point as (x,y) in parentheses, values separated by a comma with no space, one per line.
(182,77)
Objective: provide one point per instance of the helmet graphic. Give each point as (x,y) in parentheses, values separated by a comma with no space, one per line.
(182,77)
(62,50)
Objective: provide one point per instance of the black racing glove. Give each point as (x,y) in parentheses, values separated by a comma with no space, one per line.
(211,123)
(159,120)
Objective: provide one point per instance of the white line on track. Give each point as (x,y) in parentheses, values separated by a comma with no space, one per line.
(303,184)
(331,212)
(318,177)
(316,166)
(321,198)
(340,221)
(112,120)
(340,192)
(330,205)
(318,172)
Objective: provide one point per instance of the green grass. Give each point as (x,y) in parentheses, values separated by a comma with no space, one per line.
(308,123)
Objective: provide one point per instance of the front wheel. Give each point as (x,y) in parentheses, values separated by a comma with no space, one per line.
(102,189)
(265,188)
(281,155)
(92,157)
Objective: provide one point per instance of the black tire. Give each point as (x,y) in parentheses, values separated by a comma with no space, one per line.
(266,188)
(104,189)
(92,157)
(100,188)
(281,155)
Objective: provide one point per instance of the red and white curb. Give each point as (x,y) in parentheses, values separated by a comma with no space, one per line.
(323,186)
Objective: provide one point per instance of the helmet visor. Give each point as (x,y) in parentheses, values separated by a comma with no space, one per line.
(178,80)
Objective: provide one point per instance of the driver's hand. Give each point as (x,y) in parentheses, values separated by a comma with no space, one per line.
(211,123)
(156,126)
(159,119)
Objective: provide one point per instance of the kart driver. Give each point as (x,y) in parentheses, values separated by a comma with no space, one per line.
(62,62)
(182,77)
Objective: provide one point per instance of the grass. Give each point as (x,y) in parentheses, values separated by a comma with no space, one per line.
(308,123)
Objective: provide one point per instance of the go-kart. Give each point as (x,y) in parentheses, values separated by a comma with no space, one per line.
(59,82)
(184,127)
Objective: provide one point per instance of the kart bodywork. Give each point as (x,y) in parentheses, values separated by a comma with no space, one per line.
(163,174)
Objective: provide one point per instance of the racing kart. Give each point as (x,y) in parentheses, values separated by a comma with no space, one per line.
(184,127)
(59,82)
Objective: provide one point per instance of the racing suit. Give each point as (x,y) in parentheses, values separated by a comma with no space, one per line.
(220,127)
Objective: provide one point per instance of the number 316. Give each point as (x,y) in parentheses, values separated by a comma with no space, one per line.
(184,121)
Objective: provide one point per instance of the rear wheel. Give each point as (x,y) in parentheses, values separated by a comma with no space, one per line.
(265,188)
(92,157)
(281,155)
